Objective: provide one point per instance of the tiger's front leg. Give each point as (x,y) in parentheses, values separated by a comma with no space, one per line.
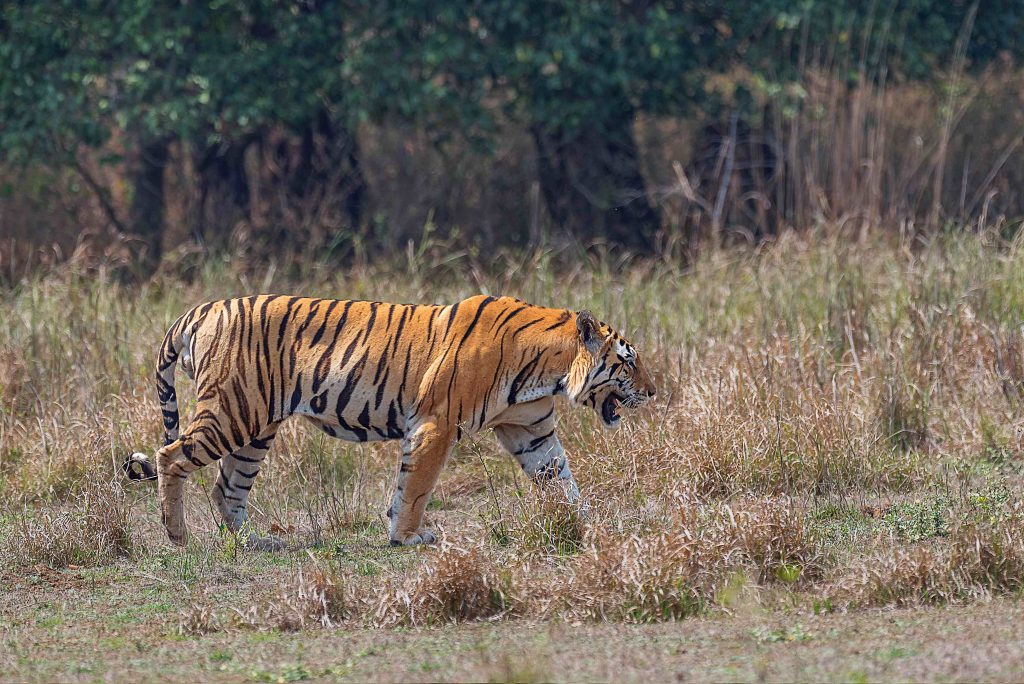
(424,453)
(540,453)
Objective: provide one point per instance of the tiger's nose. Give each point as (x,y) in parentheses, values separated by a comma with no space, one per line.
(651,392)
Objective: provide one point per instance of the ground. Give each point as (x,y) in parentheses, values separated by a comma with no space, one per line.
(123,625)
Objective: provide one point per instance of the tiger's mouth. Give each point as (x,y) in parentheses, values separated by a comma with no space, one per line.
(609,409)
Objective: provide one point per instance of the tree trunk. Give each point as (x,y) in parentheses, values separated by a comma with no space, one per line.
(146,215)
(593,186)
(328,168)
(223,190)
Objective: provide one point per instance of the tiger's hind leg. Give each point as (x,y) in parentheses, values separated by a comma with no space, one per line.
(235,479)
(201,443)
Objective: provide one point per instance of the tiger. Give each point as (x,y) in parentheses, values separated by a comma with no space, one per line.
(425,375)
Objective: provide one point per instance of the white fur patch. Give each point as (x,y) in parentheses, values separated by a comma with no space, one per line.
(532,394)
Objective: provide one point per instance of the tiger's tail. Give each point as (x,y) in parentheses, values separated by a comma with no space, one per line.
(138,465)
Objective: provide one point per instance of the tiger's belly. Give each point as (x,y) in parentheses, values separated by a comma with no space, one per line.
(357,416)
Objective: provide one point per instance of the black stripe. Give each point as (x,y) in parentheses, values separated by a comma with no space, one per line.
(323,326)
(392,425)
(469,330)
(521,377)
(526,326)
(371,322)
(451,318)
(562,320)
(296,394)
(324,362)
(500,322)
(534,444)
(543,418)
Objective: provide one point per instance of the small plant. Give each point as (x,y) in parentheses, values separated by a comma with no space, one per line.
(199,618)
(287,673)
(796,633)
(915,521)
(835,526)
(989,504)
(822,606)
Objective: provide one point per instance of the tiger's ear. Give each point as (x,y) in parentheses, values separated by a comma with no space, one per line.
(590,331)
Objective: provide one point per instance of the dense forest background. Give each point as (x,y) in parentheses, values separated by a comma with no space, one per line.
(159,132)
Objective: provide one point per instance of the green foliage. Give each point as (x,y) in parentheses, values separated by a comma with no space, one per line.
(218,75)
(918,520)
(73,72)
(566,66)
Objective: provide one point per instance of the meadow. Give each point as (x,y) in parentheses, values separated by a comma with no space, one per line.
(828,485)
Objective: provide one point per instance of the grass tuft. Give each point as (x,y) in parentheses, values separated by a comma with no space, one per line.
(93,528)
(456,584)
(316,595)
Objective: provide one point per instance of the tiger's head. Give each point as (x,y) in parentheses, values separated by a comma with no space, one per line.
(607,372)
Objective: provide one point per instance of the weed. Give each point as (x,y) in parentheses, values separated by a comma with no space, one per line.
(914,521)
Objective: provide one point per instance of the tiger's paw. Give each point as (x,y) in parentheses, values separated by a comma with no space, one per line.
(424,536)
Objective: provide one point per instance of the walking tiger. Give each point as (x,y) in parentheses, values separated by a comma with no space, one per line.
(366,371)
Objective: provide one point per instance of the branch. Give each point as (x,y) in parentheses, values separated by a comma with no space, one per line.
(102,194)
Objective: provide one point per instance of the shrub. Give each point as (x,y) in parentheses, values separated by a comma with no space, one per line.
(543,521)
(895,577)
(989,556)
(669,576)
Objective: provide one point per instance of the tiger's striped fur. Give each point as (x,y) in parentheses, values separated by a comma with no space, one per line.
(365,371)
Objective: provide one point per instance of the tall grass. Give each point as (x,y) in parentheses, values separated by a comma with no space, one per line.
(806,390)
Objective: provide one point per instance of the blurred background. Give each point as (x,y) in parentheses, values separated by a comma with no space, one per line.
(149,134)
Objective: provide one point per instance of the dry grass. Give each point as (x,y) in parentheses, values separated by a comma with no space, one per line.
(455,584)
(981,559)
(316,596)
(835,419)
(93,528)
